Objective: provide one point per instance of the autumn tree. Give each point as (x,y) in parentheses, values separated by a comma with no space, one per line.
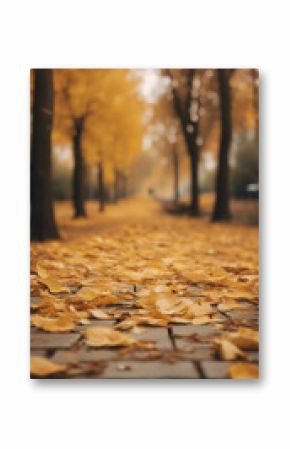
(115,132)
(43,225)
(185,96)
(222,208)
(165,136)
(77,99)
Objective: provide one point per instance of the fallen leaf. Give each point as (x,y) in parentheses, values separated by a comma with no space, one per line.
(245,338)
(244,371)
(100,314)
(86,294)
(60,324)
(227,350)
(54,286)
(128,323)
(42,272)
(106,336)
(42,367)
(172,305)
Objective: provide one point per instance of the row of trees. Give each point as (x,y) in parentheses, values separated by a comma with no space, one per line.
(99,114)
(206,107)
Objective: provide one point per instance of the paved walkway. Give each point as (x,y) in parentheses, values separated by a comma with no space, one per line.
(148,240)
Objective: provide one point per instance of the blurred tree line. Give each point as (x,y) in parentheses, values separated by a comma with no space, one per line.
(210,113)
(101,115)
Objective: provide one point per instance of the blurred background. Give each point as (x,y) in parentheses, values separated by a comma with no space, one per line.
(185,137)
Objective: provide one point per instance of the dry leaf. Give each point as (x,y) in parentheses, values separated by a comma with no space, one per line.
(227,350)
(244,371)
(42,272)
(60,324)
(100,314)
(168,304)
(86,294)
(105,336)
(42,367)
(245,338)
(54,286)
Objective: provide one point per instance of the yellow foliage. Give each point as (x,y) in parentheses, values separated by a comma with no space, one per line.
(108,102)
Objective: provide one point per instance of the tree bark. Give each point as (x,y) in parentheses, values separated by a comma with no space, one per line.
(175,161)
(255,89)
(101,187)
(190,131)
(194,203)
(78,174)
(42,224)
(222,208)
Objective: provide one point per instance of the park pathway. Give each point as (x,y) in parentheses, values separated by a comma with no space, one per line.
(136,293)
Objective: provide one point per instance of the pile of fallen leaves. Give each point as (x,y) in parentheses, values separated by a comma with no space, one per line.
(160,275)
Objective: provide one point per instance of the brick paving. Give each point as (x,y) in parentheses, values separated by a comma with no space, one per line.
(139,229)
(181,351)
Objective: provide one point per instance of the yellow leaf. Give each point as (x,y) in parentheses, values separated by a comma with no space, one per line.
(128,323)
(227,350)
(42,272)
(62,323)
(105,336)
(244,371)
(54,286)
(100,314)
(176,306)
(245,338)
(42,367)
(87,294)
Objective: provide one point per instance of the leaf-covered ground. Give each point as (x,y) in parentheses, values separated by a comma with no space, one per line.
(138,293)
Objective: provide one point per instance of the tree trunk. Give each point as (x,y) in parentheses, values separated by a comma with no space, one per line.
(190,132)
(222,209)
(78,175)
(42,224)
(101,187)
(193,152)
(255,90)
(175,161)
(194,197)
